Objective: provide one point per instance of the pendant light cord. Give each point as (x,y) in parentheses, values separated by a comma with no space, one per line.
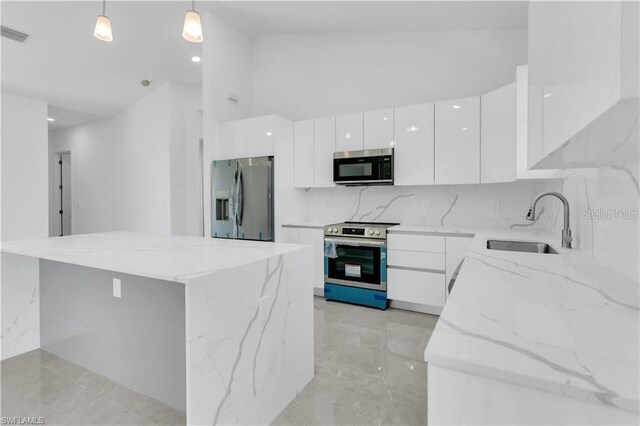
(104,7)
(193,5)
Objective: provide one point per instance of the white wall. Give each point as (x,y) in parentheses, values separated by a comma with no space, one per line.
(130,172)
(314,75)
(24,168)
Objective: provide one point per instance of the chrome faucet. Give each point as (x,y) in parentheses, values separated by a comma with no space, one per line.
(566,231)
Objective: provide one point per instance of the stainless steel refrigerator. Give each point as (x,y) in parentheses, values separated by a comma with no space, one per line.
(242,198)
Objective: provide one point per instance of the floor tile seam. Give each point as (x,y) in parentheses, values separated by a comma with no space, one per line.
(127,409)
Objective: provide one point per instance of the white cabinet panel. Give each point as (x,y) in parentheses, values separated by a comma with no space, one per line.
(414,145)
(303,163)
(290,235)
(378,129)
(416,242)
(324,146)
(426,288)
(315,238)
(498,135)
(260,136)
(457,141)
(349,132)
(457,248)
(416,259)
(579,54)
(232,139)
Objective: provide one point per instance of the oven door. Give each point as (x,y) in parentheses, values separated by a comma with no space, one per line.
(357,263)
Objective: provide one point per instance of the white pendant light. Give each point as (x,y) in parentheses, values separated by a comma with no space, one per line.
(192,30)
(103,26)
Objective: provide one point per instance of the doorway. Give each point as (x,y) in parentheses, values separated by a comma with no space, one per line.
(63,198)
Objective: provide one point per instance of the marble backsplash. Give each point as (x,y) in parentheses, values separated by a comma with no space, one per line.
(604,213)
(599,200)
(501,205)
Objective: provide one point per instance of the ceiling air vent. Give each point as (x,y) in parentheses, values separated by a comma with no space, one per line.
(14,34)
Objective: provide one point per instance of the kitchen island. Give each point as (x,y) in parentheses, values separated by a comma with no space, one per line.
(531,338)
(222,329)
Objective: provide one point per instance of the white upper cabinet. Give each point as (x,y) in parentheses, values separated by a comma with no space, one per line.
(414,145)
(349,132)
(324,146)
(583,69)
(378,129)
(232,138)
(498,135)
(303,164)
(457,141)
(260,131)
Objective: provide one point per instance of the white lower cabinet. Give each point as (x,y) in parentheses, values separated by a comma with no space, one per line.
(457,248)
(315,238)
(425,288)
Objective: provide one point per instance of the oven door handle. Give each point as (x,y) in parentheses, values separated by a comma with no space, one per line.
(356,242)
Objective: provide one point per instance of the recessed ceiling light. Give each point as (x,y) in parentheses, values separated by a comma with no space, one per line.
(51,119)
(456,107)
(412,129)
(347,135)
(546,95)
(196,59)
(269,133)
(385,118)
(465,128)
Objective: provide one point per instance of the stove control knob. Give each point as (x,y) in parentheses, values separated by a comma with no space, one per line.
(330,229)
(370,231)
(378,232)
(335,230)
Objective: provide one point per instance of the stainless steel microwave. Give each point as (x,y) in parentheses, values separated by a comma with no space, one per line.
(369,167)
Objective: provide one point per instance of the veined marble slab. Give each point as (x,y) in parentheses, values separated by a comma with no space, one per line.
(248,307)
(169,258)
(559,323)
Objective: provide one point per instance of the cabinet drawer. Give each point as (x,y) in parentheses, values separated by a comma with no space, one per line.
(426,288)
(427,243)
(416,259)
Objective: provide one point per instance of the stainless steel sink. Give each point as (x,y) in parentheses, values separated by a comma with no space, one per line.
(523,246)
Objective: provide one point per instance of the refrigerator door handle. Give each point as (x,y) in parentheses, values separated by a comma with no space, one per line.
(240,196)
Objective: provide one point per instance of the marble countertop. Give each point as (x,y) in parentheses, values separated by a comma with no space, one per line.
(169,258)
(555,322)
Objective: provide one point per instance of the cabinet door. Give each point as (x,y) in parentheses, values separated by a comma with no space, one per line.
(232,139)
(575,57)
(303,154)
(457,141)
(414,145)
(324,145)
(378,129)
(290,235)
(315,238)
(260,136)
(425,288)
(457,248)
(349,132)
(498,137)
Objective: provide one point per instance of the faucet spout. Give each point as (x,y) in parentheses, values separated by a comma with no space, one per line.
(566,230)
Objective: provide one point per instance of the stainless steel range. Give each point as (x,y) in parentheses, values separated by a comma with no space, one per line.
(355,263)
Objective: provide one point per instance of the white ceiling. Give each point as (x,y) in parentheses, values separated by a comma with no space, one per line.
(292,17)
(84,79)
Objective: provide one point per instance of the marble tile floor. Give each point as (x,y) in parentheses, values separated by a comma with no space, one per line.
(40,384)
(369,368)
